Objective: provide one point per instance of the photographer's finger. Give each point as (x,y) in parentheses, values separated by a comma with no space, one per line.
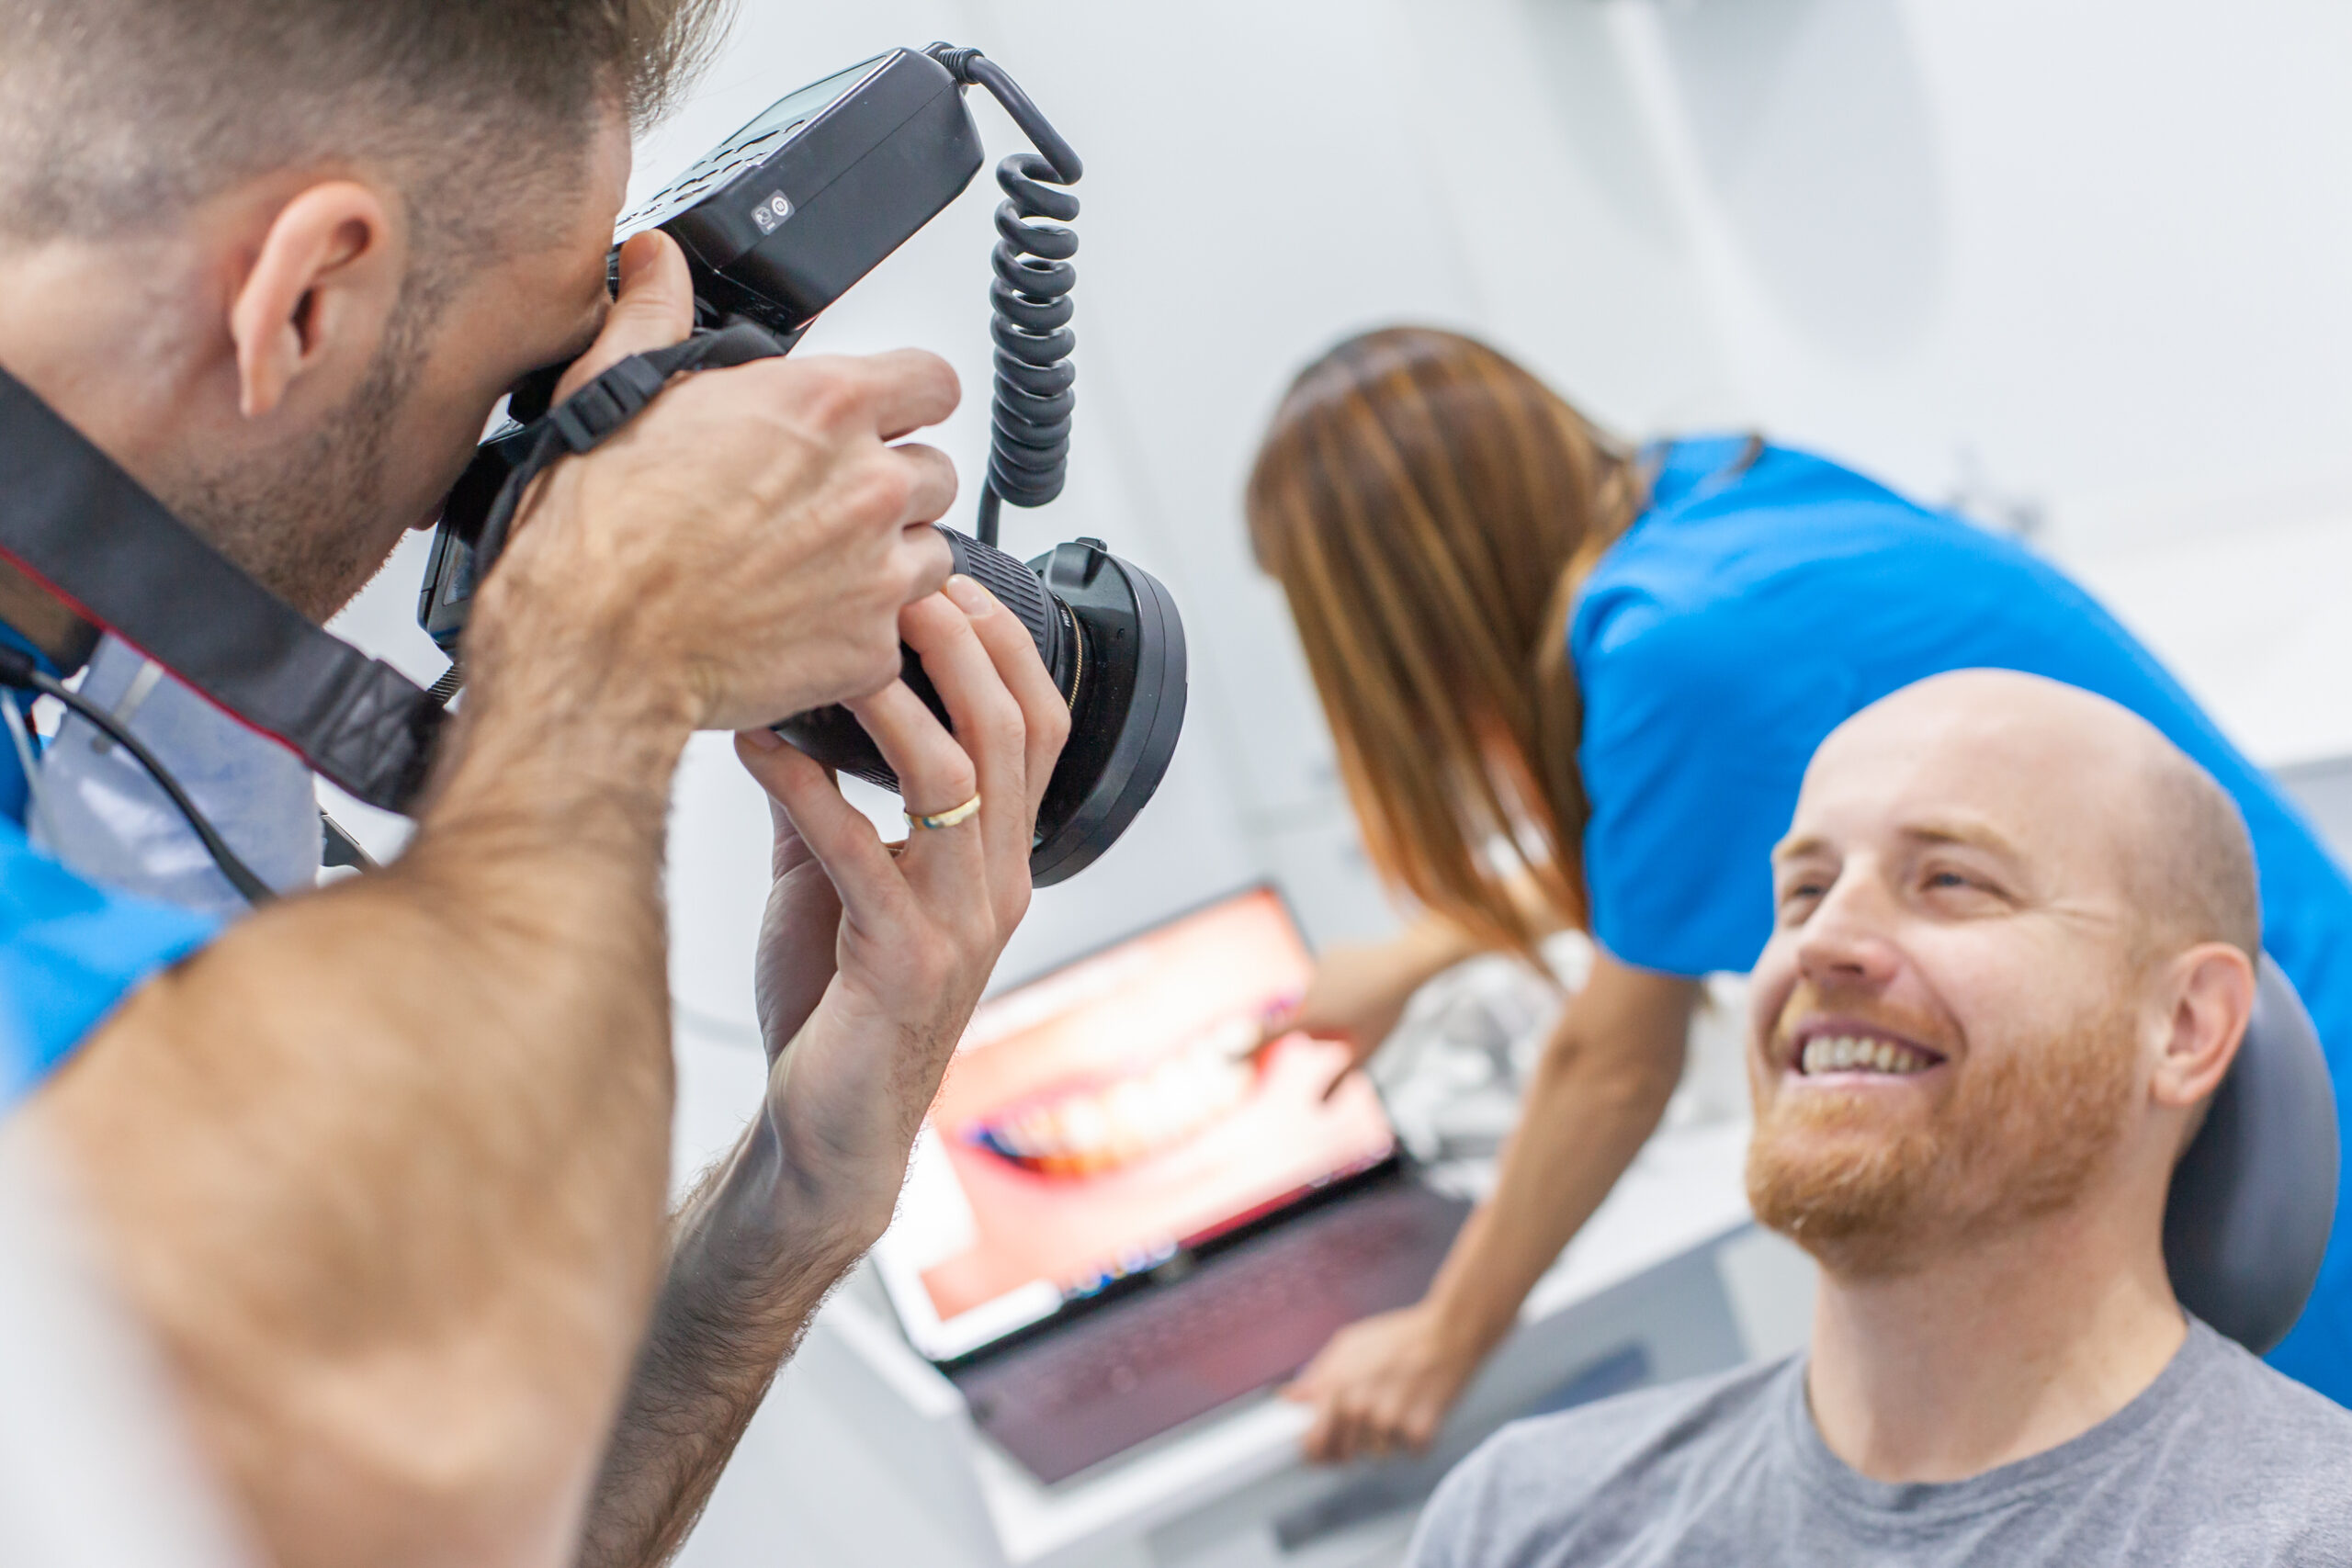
(986,720)
(936,775)
(1043,713)
(931,483)
(912,390)
(837,833)
(926,562)
(654,309)
(790,849)
(923,560)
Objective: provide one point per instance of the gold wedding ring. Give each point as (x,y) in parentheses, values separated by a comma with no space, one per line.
(963,812)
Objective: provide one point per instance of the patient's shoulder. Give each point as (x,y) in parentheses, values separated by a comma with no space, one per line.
(2274,1416)
(1652,1422)
(2248,1465)
(1588,1473)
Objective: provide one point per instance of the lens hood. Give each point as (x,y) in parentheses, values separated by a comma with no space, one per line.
(1110,636)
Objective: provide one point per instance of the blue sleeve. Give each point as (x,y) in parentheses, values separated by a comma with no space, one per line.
(1697,730)
(68,952)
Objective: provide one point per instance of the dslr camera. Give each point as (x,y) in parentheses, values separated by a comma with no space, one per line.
(778,222)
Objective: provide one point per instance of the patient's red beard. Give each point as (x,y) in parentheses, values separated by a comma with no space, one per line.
(2019,1138)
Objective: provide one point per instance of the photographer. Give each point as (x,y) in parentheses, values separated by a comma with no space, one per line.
(383,1167)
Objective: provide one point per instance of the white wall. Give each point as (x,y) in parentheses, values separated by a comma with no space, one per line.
(2105,247)
(2067,259)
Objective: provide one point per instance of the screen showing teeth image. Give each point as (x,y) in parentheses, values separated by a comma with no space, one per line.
(1096,1118)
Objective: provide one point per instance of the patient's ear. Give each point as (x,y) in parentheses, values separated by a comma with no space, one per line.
(2209,989)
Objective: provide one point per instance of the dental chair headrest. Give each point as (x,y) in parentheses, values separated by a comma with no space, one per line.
(2254,1198)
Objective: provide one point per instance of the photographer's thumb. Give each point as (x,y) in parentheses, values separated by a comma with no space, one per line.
(655,307)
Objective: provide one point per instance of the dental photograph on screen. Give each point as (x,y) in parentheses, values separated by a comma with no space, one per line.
(1099,1119)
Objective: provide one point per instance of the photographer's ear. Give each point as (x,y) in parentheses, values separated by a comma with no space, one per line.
(318,295)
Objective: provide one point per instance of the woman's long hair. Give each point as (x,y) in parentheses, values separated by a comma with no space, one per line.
(1431,510)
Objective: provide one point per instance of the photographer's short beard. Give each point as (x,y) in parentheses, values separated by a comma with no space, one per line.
(2019,1139)
(309,523)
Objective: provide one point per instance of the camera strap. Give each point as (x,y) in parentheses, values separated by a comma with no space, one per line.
(90,536)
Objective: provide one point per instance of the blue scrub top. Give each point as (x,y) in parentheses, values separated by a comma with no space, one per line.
(70,950)
(1747,614)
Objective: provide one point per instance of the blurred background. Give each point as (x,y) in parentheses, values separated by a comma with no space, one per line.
(2082,271)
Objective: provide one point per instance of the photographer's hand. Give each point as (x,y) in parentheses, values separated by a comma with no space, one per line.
(871,963)
(740,552)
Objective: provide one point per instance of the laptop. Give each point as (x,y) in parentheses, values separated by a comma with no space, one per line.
(1117,1219)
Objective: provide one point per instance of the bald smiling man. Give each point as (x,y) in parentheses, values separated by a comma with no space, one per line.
(2013,957)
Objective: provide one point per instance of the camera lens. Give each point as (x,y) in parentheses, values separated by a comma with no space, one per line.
(1111,638)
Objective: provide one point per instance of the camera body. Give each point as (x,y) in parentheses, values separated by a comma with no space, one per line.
(778,222)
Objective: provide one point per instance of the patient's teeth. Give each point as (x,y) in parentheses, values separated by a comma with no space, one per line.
(1083,1125)
(1847,1053)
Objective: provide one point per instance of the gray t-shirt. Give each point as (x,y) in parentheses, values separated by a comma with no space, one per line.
(2220,1460)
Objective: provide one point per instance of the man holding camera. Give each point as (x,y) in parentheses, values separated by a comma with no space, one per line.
(383,1167)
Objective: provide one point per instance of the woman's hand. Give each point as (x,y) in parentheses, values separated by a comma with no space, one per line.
(1361,990)
(1382,1386)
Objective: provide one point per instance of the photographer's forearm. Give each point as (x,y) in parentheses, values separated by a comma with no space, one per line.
(743,1283)
(871,964)
(384,1167)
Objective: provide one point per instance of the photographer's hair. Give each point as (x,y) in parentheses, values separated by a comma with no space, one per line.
(118,115)
(1430,508)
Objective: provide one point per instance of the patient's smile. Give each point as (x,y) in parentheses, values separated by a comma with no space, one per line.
(1844,1048)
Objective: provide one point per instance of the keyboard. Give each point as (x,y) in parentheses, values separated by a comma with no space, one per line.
(1234,1322)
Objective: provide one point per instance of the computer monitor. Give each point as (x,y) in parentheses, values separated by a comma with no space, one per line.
(1102,1118)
